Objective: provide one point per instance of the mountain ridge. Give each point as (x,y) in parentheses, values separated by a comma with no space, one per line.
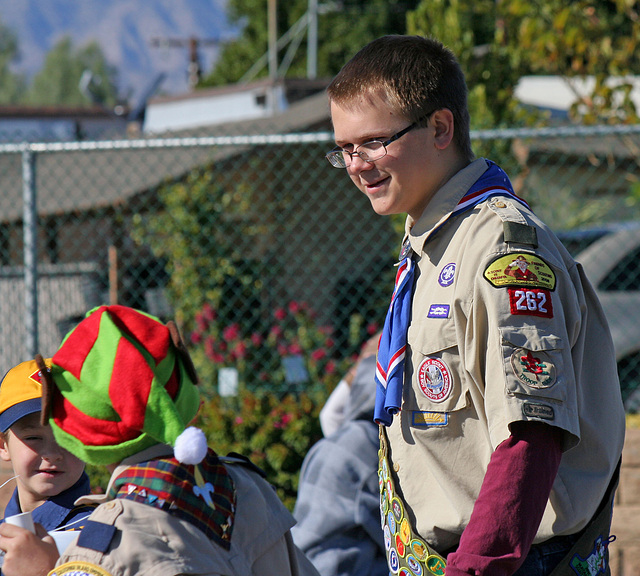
(128,32)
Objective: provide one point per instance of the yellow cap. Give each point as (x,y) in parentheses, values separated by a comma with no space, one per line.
(20,393)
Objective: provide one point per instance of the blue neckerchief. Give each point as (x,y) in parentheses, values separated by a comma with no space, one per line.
(58,510)
(393,341)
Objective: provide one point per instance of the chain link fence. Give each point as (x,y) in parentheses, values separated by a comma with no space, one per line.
(274,265)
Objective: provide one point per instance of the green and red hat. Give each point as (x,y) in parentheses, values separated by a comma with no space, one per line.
(121,382)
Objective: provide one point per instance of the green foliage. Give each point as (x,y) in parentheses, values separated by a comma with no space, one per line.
(12,85)
(58,81)
(342,30)
(275,432)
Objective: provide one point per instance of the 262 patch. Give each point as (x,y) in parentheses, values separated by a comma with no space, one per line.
(530,302)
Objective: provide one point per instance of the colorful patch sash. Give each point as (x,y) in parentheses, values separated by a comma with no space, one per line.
(406,552)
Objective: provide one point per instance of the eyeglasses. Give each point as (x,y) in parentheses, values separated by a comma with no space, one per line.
(369,151)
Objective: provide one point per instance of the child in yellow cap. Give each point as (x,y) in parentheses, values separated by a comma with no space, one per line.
(48,478)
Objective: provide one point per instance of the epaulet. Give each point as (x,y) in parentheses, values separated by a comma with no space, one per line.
(96,536)
(515,227)
(235,458)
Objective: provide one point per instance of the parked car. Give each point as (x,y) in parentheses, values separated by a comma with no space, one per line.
(610,256)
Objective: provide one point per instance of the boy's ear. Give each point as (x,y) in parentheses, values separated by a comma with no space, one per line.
(443,123)
(4,450)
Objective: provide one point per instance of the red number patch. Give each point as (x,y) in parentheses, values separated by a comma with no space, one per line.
(530,302)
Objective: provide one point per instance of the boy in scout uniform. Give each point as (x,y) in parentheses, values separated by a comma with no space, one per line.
(501,419)
(121,393)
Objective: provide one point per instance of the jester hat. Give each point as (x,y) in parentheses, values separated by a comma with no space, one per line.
(121,382)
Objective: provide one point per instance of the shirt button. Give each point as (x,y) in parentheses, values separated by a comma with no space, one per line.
(500,204)
(396,467)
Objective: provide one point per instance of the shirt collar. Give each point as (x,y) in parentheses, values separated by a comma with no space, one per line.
(443,204)
(53,512)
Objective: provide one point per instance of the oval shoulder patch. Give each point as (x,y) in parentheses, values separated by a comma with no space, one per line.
(520,269)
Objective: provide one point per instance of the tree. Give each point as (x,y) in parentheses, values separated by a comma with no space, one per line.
(343,28)
(12,85)
(59,81)
(499,41)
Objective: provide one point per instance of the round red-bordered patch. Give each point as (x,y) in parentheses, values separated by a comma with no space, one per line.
(434,379)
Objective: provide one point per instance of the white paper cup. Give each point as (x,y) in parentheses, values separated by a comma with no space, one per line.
(23,520)
(63,538)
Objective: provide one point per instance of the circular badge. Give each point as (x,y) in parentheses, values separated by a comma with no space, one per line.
(400,546)
(394,562)
(79,569)
(414,565)
(389,490)
(435,565)
(447,275)
(534,369)
(419,549)
(434,379)
(404,572)
(405,531)
(396,506)
(391,522)
(387,537)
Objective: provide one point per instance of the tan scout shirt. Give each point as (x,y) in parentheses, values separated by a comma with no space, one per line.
(482,355)
(151,542)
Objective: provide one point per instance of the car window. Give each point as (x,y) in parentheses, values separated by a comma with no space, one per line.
(625,275)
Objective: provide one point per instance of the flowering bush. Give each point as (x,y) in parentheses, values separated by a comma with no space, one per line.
(291,354)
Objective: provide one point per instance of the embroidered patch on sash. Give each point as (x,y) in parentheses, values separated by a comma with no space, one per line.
(543,411)
(530,302)
(79,569)
(447,275)
(520,269)
(593,564)
(438,311)
(533,369)
(426,419)
(434,379)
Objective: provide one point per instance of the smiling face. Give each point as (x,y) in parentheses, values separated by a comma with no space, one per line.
(416,165)
(44,468)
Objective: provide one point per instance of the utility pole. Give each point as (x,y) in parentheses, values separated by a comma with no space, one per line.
(312,40)
(272,22)
(194,67)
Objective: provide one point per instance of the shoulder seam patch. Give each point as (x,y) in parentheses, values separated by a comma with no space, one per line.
(515,232)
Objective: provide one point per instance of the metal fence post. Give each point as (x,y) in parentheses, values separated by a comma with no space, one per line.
(30,234)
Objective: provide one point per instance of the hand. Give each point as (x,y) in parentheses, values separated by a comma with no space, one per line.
(27,554)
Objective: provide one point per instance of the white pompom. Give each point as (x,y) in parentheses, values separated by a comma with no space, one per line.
(191,446)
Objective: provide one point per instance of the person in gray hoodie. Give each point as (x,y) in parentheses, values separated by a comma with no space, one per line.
(338,505)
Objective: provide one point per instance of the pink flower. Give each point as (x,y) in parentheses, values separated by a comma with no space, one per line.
(294,307)
(208,312)
(279,314)
(295,348)
(256,339)
(318,354)
(209,346)
(282,349)
(240,350)
(276,331)
(201,322)
(330,368)
(231,332)
(372,328)
(239,420)
(329,343)
(196,337)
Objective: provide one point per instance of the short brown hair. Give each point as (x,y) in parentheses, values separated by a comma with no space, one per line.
(413,75)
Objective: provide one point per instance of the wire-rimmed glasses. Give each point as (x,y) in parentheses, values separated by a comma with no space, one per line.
(369,151)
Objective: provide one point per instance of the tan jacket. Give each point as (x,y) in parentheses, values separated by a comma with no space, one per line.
(151,542)
(484,354)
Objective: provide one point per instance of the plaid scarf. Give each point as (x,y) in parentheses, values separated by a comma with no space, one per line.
(203,495)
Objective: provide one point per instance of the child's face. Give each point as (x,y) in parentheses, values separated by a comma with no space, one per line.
(44,468)
(407,177)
